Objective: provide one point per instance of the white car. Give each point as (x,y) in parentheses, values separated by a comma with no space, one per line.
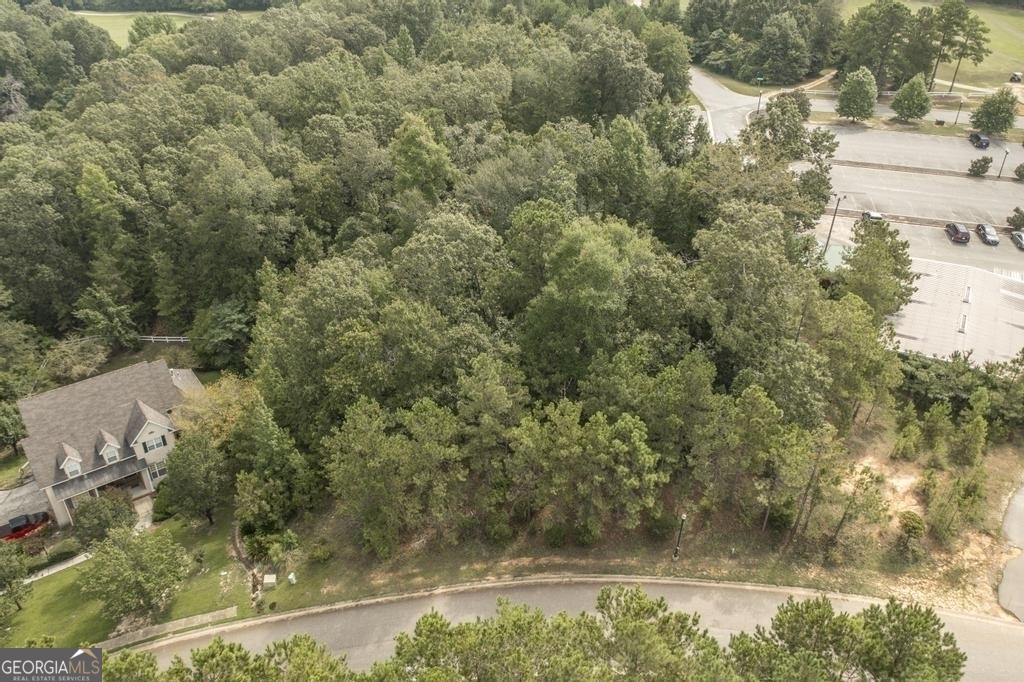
(871,215)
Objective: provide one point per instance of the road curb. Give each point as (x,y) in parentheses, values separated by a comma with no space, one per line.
(917,170)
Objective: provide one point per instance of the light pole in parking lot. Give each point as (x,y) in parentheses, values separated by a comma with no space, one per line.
(1006,152)
(961,106)
(828,238)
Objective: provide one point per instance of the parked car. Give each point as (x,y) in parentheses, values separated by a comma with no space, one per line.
(871,215)
(1017,237)
(958,233)
(978,140)
(1016,77)
(21,526)
(988,234)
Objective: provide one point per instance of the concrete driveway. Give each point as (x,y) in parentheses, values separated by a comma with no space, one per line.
(26,499)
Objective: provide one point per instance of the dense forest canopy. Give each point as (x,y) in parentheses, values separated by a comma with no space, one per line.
(480,265)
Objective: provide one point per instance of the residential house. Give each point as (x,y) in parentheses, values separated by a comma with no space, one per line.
(111,430)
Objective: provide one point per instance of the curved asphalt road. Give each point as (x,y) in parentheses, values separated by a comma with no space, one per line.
(365,631)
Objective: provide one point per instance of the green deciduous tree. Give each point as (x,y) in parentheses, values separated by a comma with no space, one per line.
(858,95)
(668,55)
(396,481)
(612,76)
(912,100)
(996,112)
(146,25)
(135,574)
(97,516)
(875,38)
(197,479)
(13,571)
(421,163)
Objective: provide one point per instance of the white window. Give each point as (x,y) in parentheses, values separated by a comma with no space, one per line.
(154,444)
(110,455)
(158,470)
(72,469)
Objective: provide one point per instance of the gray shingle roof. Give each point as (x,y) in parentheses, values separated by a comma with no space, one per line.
(142,413)
(74,414)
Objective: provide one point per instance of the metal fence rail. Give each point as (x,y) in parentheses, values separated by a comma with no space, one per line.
(164,339)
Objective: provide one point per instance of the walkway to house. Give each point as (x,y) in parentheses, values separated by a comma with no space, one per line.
(50,570)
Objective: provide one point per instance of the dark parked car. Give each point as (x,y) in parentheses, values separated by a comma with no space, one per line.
(21,526)
(978,140)
(958,233)
(1017,238)
(988,234)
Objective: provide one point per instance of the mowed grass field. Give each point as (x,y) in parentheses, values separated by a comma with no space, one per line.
(118,23)
(1006,40)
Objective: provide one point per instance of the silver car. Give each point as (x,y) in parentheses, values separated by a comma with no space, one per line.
(988,234)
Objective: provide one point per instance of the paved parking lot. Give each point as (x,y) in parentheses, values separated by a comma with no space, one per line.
(969,298)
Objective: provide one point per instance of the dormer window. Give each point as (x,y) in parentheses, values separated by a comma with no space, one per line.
(72,469)
(110,455)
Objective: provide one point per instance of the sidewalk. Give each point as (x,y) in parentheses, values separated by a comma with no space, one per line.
(168,628)
(50,570)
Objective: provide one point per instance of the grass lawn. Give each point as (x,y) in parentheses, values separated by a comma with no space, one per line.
(208,590)
(925,127)
(1006,36)
(56,607)
(118,23)
(10,463)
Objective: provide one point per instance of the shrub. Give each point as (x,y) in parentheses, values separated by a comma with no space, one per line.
(1019,171)
(980,166)
(554,534)
(908,443)
(65,549)
(161,508)
(908,543)
(662,526)
(321,551)
(1016,219)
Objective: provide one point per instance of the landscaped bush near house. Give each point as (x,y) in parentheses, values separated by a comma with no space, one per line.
(62,551)
(161,508)
(1019,171)
(980,166)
